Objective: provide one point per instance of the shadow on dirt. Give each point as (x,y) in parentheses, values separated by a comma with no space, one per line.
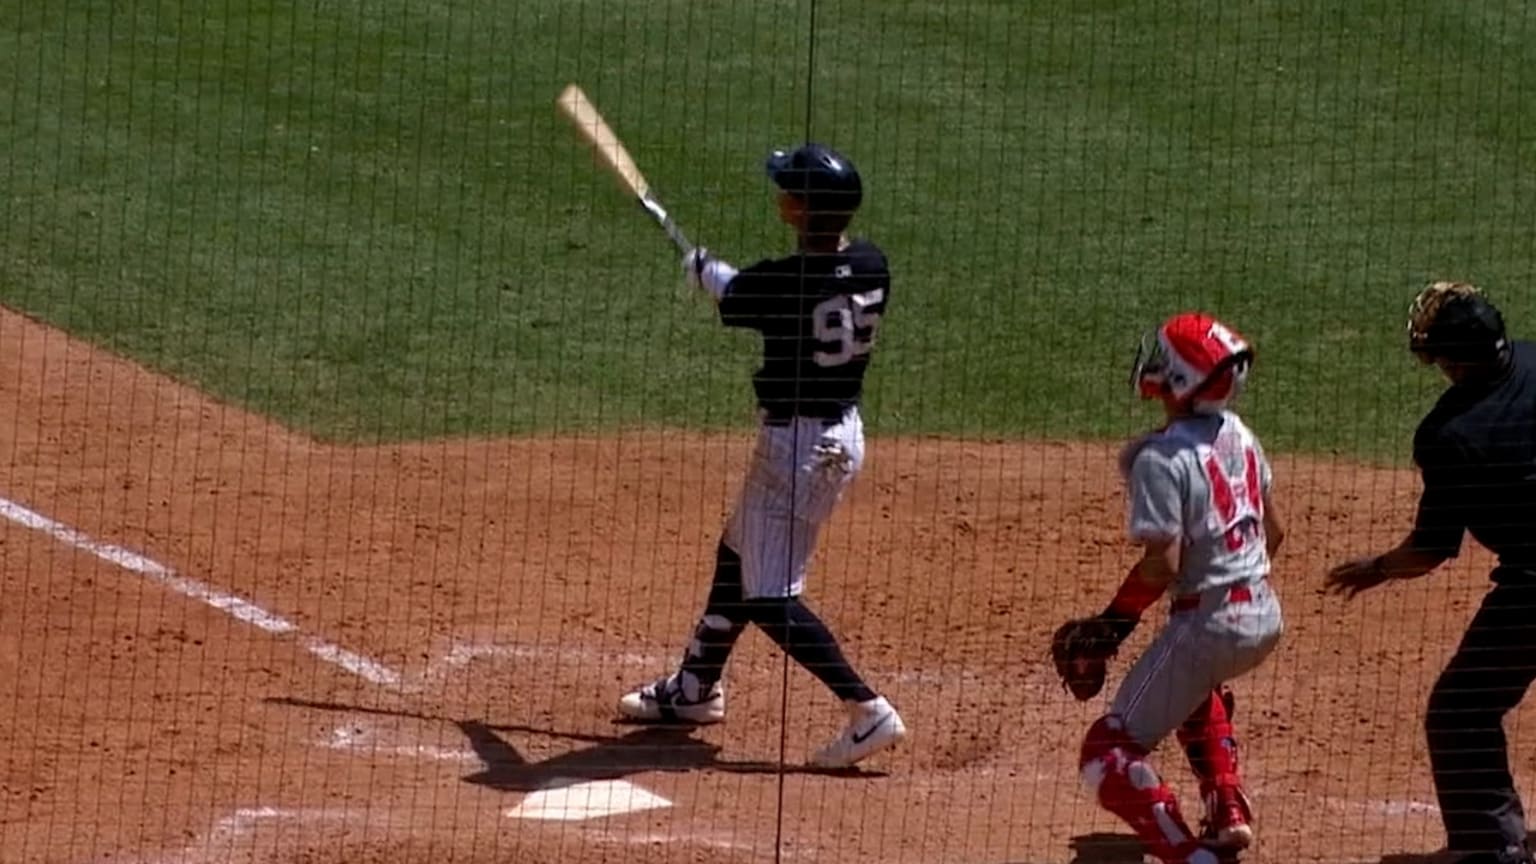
(1439,856)
(1105,848)
(607,757)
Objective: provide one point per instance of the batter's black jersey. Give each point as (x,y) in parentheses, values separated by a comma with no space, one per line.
(818,313)
(1477,452)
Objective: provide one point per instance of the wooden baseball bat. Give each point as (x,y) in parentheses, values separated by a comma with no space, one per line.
(582,114)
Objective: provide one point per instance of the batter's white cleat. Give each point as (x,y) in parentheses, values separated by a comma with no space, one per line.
(872,726)
(663,701)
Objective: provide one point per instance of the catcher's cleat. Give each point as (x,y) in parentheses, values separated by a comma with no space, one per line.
(663,701)
(1228,823)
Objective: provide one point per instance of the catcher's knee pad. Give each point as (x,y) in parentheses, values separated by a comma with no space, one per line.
(1107,749)
(1115,768)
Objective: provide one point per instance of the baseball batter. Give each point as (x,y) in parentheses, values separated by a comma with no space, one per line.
(818,311)
(1200,508)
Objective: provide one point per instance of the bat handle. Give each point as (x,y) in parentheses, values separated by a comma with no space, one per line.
(659,213)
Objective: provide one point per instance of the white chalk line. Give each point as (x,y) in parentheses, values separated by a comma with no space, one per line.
(362,738)
(228,831)
(245,819)
(461,654)
(233,605)
(716,840)
(1381,807)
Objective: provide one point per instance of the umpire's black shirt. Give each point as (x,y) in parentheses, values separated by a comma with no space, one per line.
(1476,450)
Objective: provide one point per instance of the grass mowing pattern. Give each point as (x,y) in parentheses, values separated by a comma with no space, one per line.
(367,219)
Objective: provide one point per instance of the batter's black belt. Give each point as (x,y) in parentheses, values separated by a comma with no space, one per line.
(775,418)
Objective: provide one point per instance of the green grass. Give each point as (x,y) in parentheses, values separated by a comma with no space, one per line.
(367,219)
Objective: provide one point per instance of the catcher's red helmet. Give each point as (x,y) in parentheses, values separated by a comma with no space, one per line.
(1194,360)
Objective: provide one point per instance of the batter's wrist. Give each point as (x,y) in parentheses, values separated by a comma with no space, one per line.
(715,275)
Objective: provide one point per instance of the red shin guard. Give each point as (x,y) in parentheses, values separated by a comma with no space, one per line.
(1115,768)
(1212,751)
(1208,742)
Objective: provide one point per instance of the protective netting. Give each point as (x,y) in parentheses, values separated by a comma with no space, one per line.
(369,451)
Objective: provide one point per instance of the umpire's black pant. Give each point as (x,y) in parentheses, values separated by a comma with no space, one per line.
(1489,675)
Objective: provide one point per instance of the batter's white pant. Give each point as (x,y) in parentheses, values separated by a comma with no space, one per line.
(797,475)
(1197,651)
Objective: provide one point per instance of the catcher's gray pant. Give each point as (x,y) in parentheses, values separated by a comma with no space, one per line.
(1198,650)
(797,475)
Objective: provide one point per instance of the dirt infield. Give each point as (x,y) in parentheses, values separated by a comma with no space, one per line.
(228,643)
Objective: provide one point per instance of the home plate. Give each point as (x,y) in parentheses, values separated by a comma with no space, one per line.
(570,801)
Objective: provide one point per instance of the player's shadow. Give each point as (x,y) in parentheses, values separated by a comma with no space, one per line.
(609,757)
(665,748)
(1105,848)
(1439,856)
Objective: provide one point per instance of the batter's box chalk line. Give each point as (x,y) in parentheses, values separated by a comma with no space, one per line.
(461,654)
(227,834)
(233,605)
(365,740)
(692,837)
(1386,808)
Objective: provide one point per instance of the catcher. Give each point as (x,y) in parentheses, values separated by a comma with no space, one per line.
(1200,508)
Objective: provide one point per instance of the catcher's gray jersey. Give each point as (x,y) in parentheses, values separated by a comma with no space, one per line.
(1202,480)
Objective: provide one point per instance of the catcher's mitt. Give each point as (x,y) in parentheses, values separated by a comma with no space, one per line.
(1081,650)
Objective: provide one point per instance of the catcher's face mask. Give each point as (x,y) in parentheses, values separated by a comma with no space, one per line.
(1148,370)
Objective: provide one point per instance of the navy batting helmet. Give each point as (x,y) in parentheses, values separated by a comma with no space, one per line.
(818,175)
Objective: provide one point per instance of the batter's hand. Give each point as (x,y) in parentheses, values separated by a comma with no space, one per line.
(832,458)
(693,266)
(1357,576)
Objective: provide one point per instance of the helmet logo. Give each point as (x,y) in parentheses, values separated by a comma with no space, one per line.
(1221,334)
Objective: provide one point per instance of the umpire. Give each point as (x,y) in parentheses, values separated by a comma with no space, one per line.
(1476,450)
